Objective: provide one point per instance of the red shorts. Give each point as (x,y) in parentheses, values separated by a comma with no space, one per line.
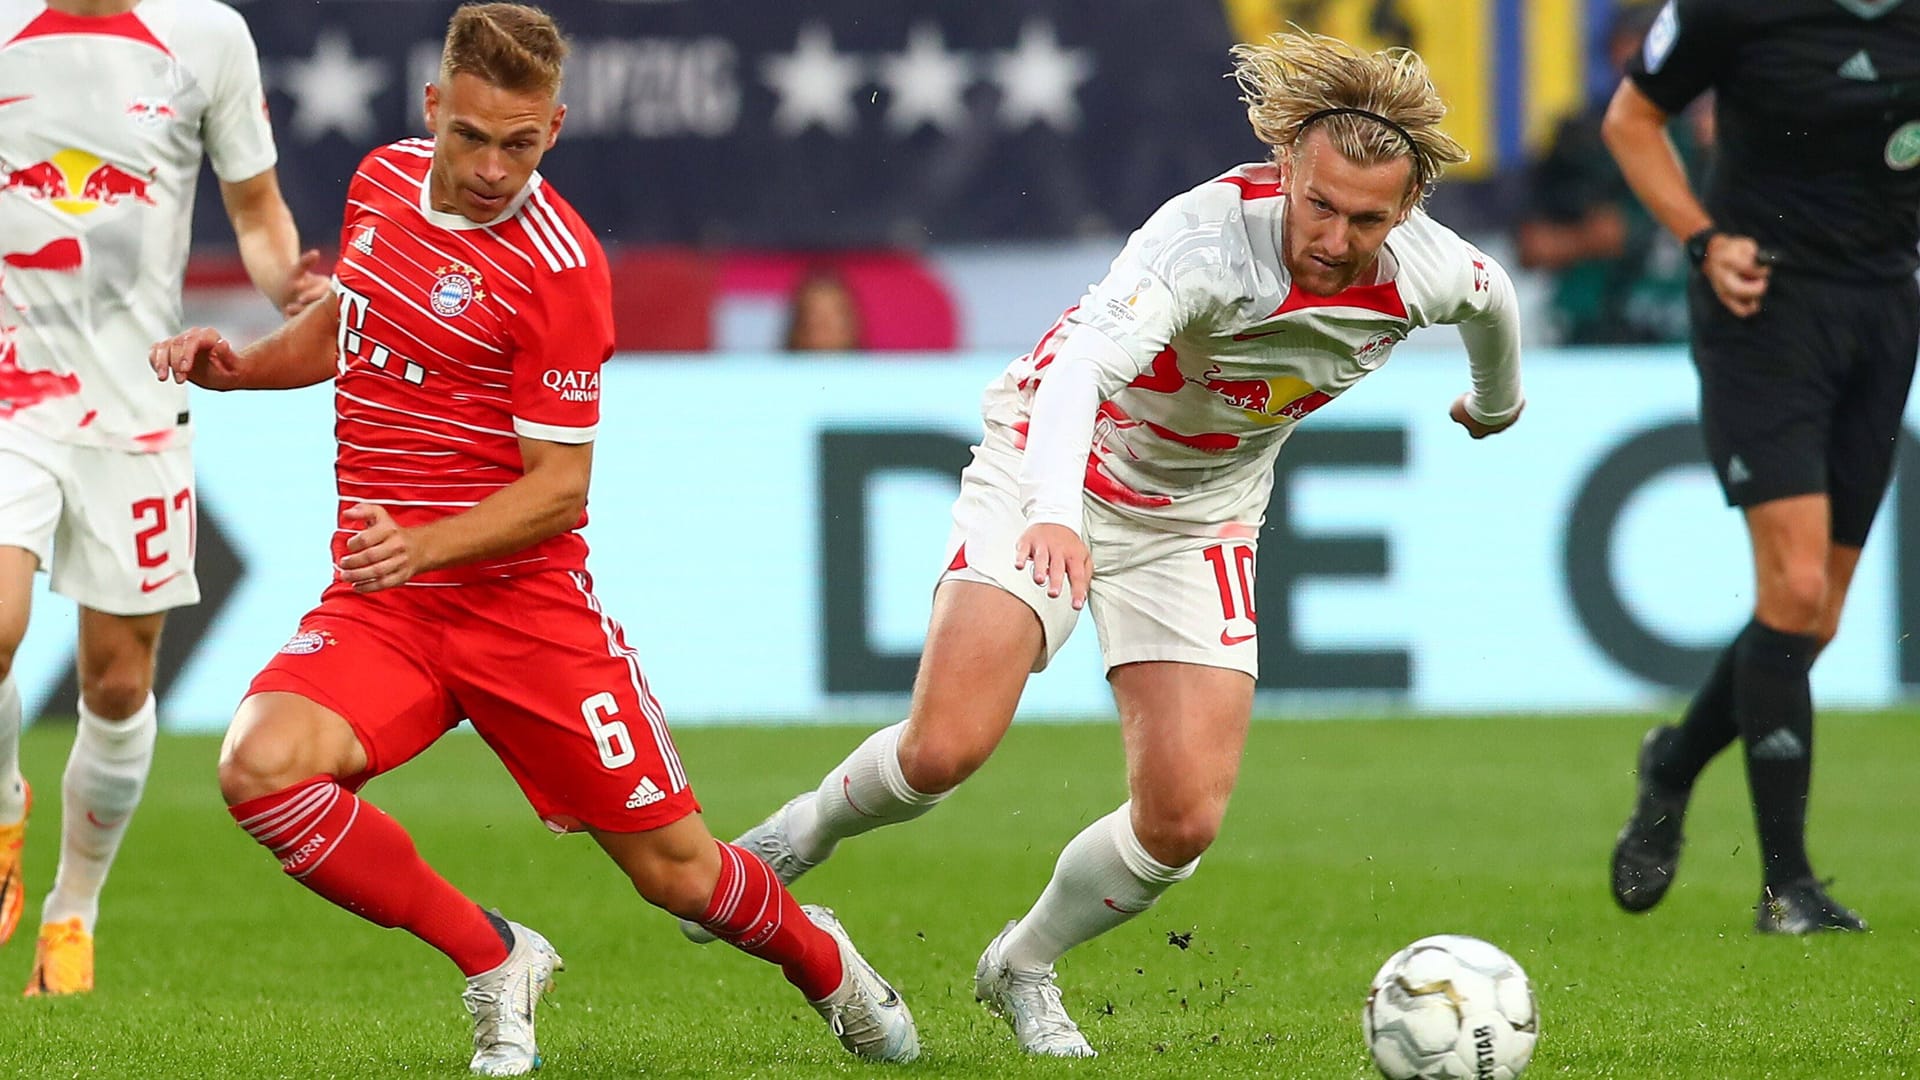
(543,673)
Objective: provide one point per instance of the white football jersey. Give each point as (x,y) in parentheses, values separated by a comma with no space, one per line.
(1219,357)
(102,124)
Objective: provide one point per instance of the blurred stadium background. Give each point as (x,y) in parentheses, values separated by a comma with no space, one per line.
(932,183)
(944,177)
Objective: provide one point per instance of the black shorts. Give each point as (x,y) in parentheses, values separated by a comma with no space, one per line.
(1806,397)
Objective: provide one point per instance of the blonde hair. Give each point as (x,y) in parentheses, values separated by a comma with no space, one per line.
(1383,104)
(516,47)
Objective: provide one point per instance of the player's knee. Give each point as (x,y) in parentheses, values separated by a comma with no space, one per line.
(676,885)
(679,894)
(118,692)
(1796,599)
(6,658)
(1175,836)
(934,765)
(935,774)
(260,762)
(1824,634)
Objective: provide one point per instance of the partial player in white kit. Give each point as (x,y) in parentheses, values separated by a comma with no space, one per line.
(106,107)
(1139,437)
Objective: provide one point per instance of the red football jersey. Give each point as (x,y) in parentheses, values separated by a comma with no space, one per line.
(456,340)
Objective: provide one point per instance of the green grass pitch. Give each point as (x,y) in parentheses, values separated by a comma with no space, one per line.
(1345,841)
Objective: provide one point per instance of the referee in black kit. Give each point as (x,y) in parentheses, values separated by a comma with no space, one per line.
(1806,323)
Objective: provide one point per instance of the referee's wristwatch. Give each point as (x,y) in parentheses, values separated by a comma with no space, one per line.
(1697,246)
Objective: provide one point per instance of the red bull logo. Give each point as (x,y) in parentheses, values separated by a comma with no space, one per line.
(1252,395)
(77,182)
(63,255)
(1270,400)
(21,390)
(151,111)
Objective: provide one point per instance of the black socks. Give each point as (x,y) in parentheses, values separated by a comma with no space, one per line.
(1773,707)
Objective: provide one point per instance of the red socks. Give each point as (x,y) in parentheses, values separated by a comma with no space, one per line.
(754,913)
(359,858)
(346,850)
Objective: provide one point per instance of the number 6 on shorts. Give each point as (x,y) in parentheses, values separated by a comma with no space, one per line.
(616,746)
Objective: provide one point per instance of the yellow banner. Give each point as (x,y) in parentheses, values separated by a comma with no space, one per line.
(1503,82)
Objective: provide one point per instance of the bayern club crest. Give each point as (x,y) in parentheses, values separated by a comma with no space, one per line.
(458,286)
(307,642)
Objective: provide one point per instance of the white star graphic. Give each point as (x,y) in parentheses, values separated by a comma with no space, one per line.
(815,84)
(1038,79)
(926,84)
(332,90)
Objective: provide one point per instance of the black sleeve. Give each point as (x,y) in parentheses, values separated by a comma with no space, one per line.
(1684,53)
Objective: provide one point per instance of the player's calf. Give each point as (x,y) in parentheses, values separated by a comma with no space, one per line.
(345,849)
(770,842)
(864,792)
(752,911)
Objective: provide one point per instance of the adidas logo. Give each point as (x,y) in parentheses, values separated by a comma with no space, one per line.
(646,794)
(1859,67)
(363,240)
(1737,471)
(1782,745)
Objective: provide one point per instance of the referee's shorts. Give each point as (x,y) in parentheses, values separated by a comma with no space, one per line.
(1806,396)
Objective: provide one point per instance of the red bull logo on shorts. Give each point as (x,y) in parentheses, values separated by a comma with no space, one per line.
(77,182)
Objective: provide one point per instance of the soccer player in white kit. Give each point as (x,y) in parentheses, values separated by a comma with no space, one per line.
(1139,438)
(105,109)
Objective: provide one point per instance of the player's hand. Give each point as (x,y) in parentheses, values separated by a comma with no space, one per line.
(200,356)
(382,554)
(1474,427)
(1059,559)
(1734,269)
(304,286)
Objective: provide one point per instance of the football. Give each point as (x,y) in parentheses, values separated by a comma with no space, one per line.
(1450,1007)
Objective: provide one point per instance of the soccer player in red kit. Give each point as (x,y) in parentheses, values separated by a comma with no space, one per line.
(473,315)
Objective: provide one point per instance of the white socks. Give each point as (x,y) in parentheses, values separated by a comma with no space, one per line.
(13,792)
(860,794)
(105,774)
(1104,877)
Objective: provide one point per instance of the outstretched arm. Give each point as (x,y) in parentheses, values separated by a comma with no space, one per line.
(301,352)
(1492,337)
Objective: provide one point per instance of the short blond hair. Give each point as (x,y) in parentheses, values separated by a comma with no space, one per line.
(1375,107)
(516,47)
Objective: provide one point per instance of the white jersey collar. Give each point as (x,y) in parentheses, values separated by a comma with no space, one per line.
(461,221)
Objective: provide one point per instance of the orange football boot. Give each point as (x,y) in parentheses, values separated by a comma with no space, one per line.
(62,960)
(13,887)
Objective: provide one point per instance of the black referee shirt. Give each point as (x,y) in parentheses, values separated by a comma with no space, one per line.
(1817,110)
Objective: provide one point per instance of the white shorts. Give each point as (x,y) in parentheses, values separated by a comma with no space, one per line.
(1156,595)
(114,528)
